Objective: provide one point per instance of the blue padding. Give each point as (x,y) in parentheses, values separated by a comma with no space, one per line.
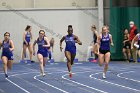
(76,60)
(90,59)
(25,61)
(138,59)
(52,61)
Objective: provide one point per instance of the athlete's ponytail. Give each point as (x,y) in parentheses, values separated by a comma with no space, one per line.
(27,27)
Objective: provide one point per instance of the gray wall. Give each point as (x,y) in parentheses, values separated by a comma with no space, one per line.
(55,20)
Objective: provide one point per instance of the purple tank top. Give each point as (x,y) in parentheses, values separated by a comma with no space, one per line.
(105,43)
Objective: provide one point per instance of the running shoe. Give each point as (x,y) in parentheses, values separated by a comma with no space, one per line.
(32,61)
(6,75)
(70,75)
(42,74)
(104,76)
(94,61)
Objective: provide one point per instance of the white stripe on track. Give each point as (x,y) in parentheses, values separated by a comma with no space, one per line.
(83,84)
(91,76)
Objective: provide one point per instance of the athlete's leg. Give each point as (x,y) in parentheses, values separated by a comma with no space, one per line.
(40,58)
(44,61)
(68,56)
(107,60)
(124,53)
(101,59)
(5,60)
(30,52)
(24,51)
(9,64)
(72,58)
(69,62)
(128,54)
(50,55)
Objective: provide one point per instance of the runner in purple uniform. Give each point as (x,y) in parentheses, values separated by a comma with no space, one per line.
(104,41)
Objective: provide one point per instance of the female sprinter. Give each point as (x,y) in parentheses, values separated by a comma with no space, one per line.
(27,37)
(104,41)
(42,54)
(70,49)
(7,53)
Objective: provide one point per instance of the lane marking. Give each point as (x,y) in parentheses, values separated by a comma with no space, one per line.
(17,84)
(119,75)
(26,91)
(34,85)
(35,77)
(91,76)
(83,84)
(28,73)
(1,91)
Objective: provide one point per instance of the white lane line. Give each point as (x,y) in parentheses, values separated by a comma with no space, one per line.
(83,84)
(86,90)
(17,84)
(26,91)
(91,76)
(34,85)
(35,77)
(119,75)
(1,91)
(45,82)
(25,74)
(29,73)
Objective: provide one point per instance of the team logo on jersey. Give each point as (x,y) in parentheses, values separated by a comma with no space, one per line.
(105,39)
